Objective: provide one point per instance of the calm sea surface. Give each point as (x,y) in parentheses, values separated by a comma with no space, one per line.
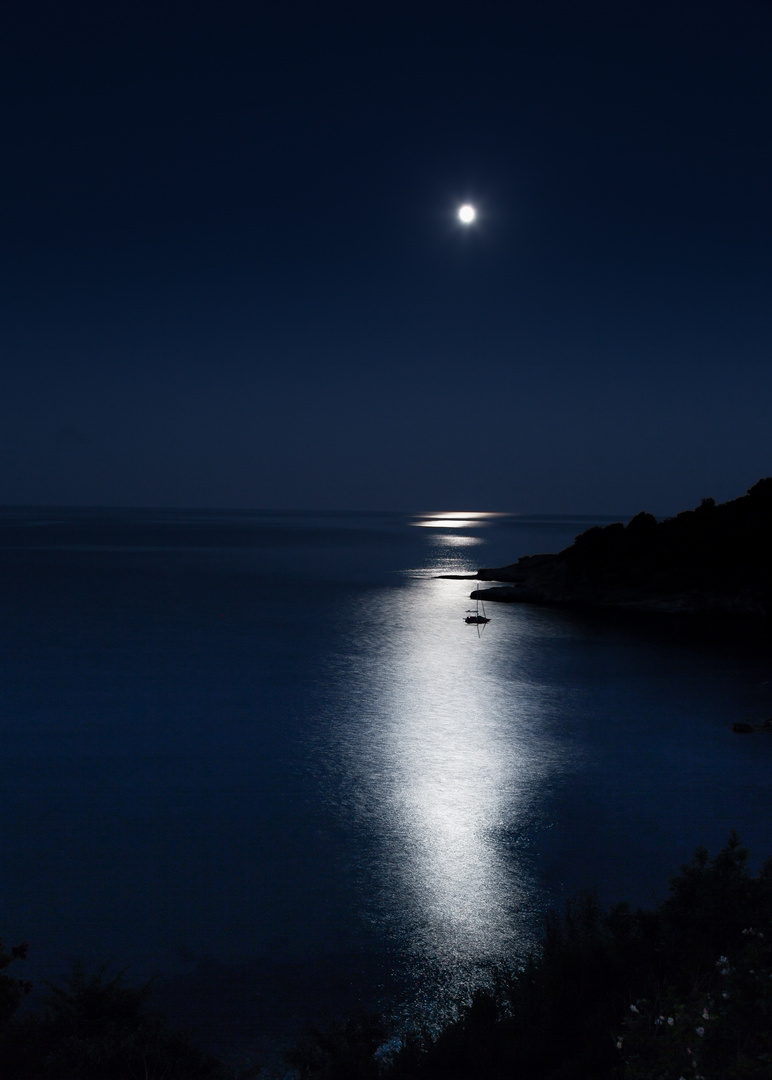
(262,756)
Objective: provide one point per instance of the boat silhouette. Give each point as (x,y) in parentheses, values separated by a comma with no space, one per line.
(477,617)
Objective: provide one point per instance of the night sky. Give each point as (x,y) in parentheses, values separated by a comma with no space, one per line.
(232,274)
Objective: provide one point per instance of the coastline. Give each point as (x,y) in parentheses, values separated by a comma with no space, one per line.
(708,561)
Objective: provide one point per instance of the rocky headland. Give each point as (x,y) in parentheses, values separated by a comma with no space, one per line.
(715,559)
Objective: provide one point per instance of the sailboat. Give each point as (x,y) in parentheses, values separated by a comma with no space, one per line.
(477,617)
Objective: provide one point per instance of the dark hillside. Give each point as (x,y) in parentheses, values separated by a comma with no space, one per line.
(715,558)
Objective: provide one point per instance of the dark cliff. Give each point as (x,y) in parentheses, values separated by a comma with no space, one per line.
(716,558)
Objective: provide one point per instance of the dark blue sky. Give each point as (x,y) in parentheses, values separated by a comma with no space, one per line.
(232,275)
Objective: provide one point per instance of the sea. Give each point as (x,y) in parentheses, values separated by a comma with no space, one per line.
(261,759)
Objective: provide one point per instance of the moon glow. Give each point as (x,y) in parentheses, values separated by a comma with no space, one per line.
(466,214)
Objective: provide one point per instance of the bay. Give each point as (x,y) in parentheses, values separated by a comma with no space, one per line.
(261,757)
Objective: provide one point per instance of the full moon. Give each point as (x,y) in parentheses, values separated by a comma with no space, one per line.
(466,214)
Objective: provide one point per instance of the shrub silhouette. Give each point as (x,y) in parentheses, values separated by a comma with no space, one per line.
(11,990)
(97,1028)
(614,994)
(595,1003)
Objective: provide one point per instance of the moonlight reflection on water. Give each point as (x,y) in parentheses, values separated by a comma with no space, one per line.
(457,519)
(446,764)
(352,792)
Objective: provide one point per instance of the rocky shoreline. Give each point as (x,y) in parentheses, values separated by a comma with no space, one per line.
(714,560)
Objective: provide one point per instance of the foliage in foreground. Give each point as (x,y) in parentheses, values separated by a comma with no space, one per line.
(95,1028)
(683,991)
